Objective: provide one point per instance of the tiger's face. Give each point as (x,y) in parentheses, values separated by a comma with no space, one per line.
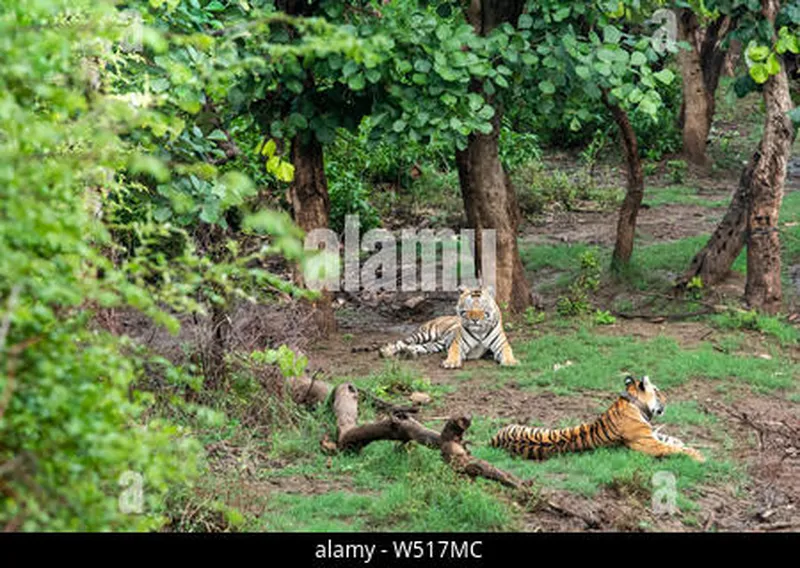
(477,309)
(647,393)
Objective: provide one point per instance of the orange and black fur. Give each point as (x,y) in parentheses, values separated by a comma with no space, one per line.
(626,422)
(476,331)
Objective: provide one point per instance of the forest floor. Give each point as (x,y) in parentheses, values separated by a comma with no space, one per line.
(731,383)
(730,378)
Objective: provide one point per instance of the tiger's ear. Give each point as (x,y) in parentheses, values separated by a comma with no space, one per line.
(462,289)
(629,380)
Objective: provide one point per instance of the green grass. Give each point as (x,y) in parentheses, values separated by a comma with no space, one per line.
(773,326)
(588,472)
(686,412)
(600,362)
(680,195)
(652,266)
(394,488)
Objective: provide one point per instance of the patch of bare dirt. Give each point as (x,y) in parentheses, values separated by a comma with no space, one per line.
(662,223)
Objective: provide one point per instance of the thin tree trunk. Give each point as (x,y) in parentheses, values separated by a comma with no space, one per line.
(700,70)
(713,263)
(489,198)
(626,225)
(308,195)
(763,288)
(695,115)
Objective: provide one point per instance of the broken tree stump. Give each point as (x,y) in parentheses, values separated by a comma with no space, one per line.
(399,426)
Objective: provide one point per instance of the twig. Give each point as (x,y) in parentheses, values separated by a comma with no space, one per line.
(591,522)
(780,526)
(666,317)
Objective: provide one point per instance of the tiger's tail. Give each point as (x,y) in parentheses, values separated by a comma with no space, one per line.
(541,443)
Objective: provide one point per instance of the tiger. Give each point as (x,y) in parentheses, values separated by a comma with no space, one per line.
(476,331)
(626,422)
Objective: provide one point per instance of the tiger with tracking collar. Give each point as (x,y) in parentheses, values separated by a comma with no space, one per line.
(626,422)
(476,331)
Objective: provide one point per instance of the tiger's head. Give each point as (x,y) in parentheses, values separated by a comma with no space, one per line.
(646,393)
(477,309)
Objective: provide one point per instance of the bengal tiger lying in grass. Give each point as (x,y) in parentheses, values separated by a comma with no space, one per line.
(476,331)
(626,422)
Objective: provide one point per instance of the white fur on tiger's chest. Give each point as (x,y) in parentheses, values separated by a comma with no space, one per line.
(477,352)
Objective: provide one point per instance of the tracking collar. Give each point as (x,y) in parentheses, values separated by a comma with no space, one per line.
(643,408)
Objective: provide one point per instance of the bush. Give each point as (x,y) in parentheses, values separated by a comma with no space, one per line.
(349,195)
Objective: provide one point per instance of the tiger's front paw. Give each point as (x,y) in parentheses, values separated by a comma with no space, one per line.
(694,454)
(451,364)
(509,362)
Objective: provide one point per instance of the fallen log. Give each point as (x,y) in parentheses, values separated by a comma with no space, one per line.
(308,391)
(401,427)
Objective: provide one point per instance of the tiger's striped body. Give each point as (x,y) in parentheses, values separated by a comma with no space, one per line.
(476,331)
(626,422)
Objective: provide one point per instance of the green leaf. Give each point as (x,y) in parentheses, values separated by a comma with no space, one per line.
(294,86)
(217,134)
(525,21)
(665,76)
(399,125)
(145,164)
(638,58)
(547,87)
(215,6)
(582,71)
(422,65)
(285,172)
(611,35)
(269,148)
(356,82)
(603,68)
(773,65)
(759,73)
(561,14)
(758,52)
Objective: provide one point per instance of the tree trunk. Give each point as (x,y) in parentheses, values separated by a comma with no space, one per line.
(700,70)
(626,226)
(755,206)
(695,111)
(763,288)
(490,203)
(712,264)
(489,199)
(308,195)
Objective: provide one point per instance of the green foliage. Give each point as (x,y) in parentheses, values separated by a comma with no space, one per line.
(349,195)
(695,287)
(539,187)
(604,317)
(517,148)
(73,427)
(290,363)
(533,316)
(677,170)
(576,302)
(114,152)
